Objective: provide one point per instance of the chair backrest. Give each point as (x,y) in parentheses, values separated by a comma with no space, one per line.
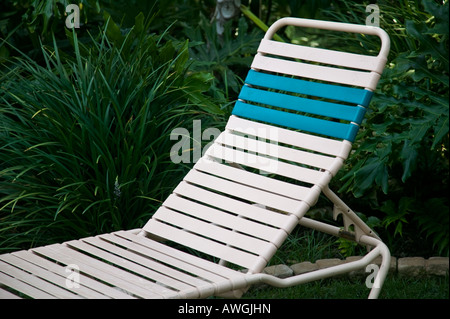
(291,129)
(339,93)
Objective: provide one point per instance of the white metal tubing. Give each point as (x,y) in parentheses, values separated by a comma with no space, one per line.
(380,249)
(334,26)
(320,226)
(314,275)
(384,267)
(348,212)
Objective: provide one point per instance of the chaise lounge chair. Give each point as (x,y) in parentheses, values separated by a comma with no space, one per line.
(289,133)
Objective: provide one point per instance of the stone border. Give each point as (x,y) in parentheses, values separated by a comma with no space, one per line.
(407,266)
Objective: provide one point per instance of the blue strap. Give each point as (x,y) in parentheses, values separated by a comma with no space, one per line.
(296,121)
(328,91)
(295,103)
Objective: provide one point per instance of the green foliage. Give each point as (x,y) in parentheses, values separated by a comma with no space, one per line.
(84,138)
(431,216)
(350,248)
(269,11)
(26,24)
(228,57)
(401,161)
(305,245)
(395,287)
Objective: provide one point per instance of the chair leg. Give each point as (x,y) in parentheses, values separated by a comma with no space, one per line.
(362,235)
(382,272)
(379,249)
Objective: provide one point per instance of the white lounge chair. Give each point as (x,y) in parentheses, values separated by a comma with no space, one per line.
(290,132)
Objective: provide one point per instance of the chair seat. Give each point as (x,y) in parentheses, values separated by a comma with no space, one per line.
(122,264)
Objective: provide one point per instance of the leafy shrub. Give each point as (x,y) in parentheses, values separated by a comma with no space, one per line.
(227,57)
(84,139)
(26,24)
(401,162)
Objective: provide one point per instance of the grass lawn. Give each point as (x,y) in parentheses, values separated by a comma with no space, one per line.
(395,287)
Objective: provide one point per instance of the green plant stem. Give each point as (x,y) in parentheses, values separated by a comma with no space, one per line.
(246,11)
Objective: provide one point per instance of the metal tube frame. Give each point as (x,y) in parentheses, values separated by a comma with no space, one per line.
(379,249)
(332,25)
(362,235)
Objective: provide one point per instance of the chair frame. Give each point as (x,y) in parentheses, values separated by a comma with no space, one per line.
(362,234)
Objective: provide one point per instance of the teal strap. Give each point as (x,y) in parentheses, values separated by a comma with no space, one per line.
(259,90)
(296,121)
(328,91)
(295,103)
